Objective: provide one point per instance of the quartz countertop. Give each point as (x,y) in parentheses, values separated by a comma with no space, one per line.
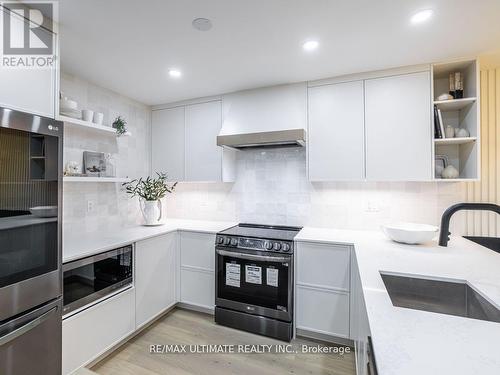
(80,245)
(411,342)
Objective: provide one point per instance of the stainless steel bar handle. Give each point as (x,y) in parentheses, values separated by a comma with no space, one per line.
(27,327)
(253,257)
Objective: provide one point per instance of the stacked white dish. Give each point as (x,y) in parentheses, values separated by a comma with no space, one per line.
(69,108)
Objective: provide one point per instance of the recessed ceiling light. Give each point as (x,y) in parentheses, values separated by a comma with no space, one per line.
(421,16)
(174,73)
(310,45)
(202,24)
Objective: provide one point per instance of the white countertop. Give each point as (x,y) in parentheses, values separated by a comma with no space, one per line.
(80,245)
(407,341)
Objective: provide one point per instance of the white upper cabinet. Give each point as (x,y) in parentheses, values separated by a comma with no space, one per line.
(203,156)
(398,127)
(168,142)
(266,109)
(28,89)
(336,132)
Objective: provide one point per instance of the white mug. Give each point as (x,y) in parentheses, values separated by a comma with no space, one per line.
(98,117)
(87,115)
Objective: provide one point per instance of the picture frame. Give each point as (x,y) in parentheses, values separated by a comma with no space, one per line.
(94,163)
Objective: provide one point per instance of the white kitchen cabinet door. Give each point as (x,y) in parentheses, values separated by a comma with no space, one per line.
(265,109)
(198,250)
(93,331)
(198,288)
(324,312)
(197,259)
(32,89)
(336,139)
(398,128)
(323,266)
(155,276)
(168,142)
(203,156)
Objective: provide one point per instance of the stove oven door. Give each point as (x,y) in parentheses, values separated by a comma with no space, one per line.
(255,282)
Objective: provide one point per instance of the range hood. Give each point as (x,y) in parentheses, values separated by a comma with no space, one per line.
(277,138)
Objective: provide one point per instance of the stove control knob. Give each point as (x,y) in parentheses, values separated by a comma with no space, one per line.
(234,242)
(220,240)
(277,246)
(227,241)
(268,245)
(286,247)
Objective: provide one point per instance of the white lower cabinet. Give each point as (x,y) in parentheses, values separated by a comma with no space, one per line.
(323,289)
(155,276)
(91,332)
(197,258)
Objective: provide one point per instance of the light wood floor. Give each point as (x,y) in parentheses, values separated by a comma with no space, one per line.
(193,328)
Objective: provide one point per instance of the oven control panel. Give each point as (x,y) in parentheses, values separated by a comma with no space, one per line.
(255,244)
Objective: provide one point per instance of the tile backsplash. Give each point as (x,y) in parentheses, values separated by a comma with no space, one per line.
(272,187)
(111,207)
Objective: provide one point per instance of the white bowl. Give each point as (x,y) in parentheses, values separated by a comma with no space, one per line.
(68,104)
(410,233)
(44,211)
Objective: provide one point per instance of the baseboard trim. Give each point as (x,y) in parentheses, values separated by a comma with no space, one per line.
(324,337)
(189,306)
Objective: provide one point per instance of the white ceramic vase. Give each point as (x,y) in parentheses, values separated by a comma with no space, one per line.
(151,211)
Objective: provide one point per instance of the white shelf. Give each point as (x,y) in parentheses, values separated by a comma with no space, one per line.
(454,104)
(95,179)
(86,124)
(454,141)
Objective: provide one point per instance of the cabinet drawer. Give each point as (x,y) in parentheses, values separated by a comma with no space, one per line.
(323,311)
(324,266)
(198,250)
(89,333)
(198,288)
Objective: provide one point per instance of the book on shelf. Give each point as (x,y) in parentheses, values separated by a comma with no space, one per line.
(437,128)
(441,124)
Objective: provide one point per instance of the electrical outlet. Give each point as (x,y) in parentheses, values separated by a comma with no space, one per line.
(372,207)
(90,206)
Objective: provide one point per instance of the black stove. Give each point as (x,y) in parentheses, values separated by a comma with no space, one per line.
(254,279)
(258,237)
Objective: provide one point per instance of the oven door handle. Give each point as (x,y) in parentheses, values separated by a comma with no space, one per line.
(253,257)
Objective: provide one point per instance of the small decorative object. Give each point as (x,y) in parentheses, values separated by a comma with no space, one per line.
(98,118)
(87,115)
(120,125)
(461,133)
(445,96)
(450,172)
(94,163)
(72,169)
(68,107)
(451,82)
(456,85)
(410,233)
(441,162)
(449,131)
(110,166)
(150,192)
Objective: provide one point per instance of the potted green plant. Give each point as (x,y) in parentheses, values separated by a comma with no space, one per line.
(150,192)
(120,125)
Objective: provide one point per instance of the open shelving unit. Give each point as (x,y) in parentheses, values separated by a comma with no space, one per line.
(96,179)
(69,121)
(462,153)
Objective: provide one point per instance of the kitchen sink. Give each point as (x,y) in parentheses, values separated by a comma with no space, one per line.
(492,243)
(444,297)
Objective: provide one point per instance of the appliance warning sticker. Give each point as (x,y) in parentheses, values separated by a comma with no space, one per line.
(253,274)
(233,274)
(272,276)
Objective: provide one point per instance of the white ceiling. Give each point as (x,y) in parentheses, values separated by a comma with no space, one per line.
(128,46)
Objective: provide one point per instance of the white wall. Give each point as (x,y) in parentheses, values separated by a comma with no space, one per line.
(272,187)
(113,209)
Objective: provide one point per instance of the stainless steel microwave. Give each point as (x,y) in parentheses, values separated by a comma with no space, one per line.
(96,277)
